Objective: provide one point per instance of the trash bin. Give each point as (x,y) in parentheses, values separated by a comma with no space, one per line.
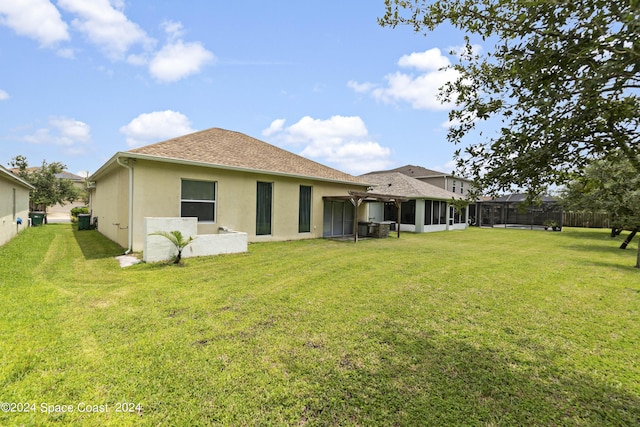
(37,218)
(84,222)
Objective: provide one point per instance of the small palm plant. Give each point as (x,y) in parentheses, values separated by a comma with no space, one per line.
(178,241)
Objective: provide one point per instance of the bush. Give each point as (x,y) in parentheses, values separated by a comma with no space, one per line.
(77,211)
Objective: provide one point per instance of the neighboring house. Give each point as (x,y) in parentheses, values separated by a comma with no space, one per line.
(58,211)
(512,211)
(446,181)
(63,212)
(227,180)
(14,204)
(428,207)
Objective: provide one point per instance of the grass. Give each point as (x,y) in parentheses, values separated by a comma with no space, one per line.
(481,327)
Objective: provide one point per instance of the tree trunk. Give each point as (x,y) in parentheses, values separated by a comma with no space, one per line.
(178,257)
(638,257)
(629,238)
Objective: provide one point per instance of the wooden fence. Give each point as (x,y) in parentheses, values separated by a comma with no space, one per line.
(586,219)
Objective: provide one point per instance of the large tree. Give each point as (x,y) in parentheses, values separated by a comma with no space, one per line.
(561,81)
(611,185)
(49,189)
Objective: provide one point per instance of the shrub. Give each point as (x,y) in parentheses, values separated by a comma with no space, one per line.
(77,211)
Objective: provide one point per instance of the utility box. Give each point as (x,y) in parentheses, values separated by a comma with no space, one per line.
(84,222)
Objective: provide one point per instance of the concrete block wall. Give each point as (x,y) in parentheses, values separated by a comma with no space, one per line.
(158,248)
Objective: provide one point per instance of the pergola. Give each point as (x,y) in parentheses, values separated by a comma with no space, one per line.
(357,197)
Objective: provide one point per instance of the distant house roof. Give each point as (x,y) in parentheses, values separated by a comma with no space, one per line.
(519,198)
(227,149)
(399,184)
(69,176)
(9,175)
(420,172)
(61,175)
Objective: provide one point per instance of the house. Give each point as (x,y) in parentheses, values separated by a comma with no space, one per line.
(446,181)
(228,181)
(59,212)
(513,211)
(14,204)
(427,208)
(63,212)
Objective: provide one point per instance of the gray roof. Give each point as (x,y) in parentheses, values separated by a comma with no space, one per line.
(70,176)
(519,198)
(420,172)
(399,184)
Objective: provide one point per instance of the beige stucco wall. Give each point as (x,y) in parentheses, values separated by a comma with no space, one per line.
(447,183)
(8,225)
(157,187)
(109,203)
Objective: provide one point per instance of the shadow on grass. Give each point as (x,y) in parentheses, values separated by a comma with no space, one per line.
(425,381)
(96,246)
(599,241)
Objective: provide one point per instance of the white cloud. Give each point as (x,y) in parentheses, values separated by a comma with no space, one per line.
(107,26)
(173,29)
(69,133)
(36,19)
(429,60)
(177,60)
(275,127)
(343,142)
(157,126)
(420,91)
(104,24)
(360,87)
(4,95)
(464,52)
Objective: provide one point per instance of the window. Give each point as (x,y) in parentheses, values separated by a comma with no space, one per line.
(408,212)
(263,208)
(460,218)
(304,210)
(428,204)
(461,187)
(198,198)
(454,186)
(439,213)
(390,212)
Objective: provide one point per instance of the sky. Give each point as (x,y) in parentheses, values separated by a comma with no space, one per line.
(83,79)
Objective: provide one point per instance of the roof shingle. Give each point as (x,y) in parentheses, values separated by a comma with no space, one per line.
(232,149)
(399,184)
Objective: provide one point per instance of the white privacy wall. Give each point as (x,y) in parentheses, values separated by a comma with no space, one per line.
(159,248)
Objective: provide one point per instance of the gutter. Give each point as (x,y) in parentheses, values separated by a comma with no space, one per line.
(129,165)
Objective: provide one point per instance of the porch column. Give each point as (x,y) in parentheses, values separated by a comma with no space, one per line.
(399,206)
(356,201)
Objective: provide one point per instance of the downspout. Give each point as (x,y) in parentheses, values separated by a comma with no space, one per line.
(130,222)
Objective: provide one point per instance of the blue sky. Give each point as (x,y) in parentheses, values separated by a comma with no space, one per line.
(83,79)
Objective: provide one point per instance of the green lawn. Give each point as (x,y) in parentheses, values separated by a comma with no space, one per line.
(482,327)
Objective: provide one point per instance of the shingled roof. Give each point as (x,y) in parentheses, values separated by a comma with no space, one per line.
(420,172)
(235,150)
(399,184)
